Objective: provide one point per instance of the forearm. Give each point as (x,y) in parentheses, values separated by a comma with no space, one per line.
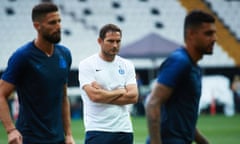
(100,95)
(199,138)
(153,121)
(124,100)
(130,97)
(66,114)
(112,95)
(5,90)
(5,116)
(66,118)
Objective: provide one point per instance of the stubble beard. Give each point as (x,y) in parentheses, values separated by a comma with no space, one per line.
(54,38)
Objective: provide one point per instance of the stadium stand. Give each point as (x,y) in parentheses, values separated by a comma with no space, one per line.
(228,12)
(81,20)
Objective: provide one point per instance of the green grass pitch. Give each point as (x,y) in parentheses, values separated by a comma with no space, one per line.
(219,129)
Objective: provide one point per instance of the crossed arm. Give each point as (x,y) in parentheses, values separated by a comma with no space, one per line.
(120,96)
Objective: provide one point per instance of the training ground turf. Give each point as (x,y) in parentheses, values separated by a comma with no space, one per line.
(219,129)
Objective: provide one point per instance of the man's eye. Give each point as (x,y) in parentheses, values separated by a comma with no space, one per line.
(112,41)
(209,33)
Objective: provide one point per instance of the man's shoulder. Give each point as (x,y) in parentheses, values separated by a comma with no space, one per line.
(180,56)
(124,60)
(62,48)
(89,59)
(23,50)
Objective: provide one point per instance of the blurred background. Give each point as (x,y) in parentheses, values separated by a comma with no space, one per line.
(151,30)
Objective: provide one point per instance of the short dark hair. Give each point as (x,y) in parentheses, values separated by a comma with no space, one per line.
(109,28)
(195,18)
(42,9)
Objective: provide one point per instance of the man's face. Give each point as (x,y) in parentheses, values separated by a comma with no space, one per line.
(205,37)
(110,45)
(50,28)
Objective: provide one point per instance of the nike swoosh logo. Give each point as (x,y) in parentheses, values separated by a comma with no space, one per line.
(98,70)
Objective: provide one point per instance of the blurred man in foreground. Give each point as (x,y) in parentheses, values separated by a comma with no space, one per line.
(172,107)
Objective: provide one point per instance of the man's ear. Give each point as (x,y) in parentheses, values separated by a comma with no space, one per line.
(99,40)
(36,25)
(190,33)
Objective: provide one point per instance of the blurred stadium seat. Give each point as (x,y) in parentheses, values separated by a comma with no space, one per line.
(81,20)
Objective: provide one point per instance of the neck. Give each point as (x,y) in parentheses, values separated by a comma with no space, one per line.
(44,46)
(195,56)
(107,58)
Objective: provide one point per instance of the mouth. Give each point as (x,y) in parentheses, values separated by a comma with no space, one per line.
(57,33)
(212,45)
(115,50)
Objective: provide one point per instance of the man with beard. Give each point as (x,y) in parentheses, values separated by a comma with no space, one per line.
(172,106)
(38,71)
(107,86)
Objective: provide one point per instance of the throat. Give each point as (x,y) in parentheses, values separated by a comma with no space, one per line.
(48,55)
